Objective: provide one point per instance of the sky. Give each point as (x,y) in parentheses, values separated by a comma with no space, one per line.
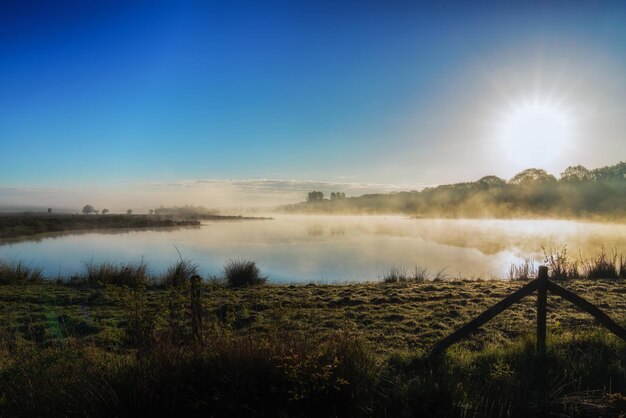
(251,103)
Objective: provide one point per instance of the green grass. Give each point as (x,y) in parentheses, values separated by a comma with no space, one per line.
(303,350)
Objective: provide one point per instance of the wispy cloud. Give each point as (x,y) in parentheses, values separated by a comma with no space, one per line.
(213,193)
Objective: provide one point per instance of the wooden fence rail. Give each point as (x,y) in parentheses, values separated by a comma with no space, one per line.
(542,285)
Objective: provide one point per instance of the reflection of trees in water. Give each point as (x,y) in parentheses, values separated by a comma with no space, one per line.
(490,242)
(121,231)
(316,230)
(338,231)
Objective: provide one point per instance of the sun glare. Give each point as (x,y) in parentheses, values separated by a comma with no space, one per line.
(534,133)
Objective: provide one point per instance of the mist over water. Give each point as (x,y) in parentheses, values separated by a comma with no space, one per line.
(294,248)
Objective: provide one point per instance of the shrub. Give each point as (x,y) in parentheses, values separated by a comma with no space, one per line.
(243,273)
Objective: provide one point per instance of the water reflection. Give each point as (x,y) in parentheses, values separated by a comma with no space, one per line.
(327,248)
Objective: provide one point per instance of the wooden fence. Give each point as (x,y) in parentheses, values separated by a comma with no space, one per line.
(542,285)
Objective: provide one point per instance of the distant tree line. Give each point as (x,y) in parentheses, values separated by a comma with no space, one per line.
(187,210)
(316,196)
(578,192)
(89,210)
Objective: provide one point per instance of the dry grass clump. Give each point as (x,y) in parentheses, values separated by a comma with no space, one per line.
(239,273)
(605,266)
(17,272)
(419,274)
(602,266)
(526,270)
(124,274)
(179,274)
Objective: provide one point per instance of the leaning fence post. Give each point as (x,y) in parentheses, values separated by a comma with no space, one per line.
(542,296)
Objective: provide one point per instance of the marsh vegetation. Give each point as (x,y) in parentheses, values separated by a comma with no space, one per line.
(118,341)
(25,224)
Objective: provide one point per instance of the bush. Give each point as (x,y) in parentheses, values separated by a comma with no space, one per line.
(243,273)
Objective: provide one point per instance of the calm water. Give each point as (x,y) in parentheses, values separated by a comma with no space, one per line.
(327,248)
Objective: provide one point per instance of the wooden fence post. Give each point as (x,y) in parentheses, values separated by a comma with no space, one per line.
(196,308)
(542,301)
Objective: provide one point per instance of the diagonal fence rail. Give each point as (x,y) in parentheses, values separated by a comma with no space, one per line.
(542,285)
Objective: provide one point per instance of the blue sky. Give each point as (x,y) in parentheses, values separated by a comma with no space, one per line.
(109,93)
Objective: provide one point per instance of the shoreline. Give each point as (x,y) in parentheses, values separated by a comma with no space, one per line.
(23,225)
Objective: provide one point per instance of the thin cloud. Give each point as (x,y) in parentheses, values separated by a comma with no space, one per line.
(235,194)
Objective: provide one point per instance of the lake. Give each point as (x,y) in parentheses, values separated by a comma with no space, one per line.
(326,248)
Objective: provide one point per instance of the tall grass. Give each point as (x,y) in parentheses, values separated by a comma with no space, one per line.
(124,274)
(601,266)
(526,270)
(419,274)
(179,274)
(239,273)
(17,272)
(560,266)
(604,266)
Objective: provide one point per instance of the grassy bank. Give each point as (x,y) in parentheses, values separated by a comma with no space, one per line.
(25,224)
(302,350)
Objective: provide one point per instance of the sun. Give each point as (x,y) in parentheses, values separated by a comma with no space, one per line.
(533,133)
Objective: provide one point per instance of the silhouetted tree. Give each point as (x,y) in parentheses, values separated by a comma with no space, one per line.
(575,174)
(531,177)
(151,211)
(491,181)
(315,196)
(105,211)
(88,209)
(613,172)
(129,211)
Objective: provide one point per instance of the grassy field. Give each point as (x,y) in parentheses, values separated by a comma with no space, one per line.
(303,350)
